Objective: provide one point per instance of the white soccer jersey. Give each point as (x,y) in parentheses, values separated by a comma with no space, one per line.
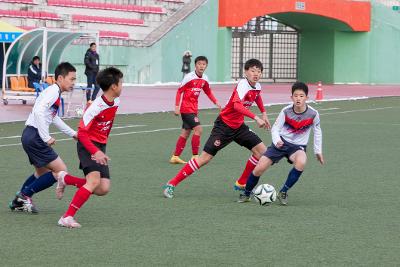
(44,113)
(296,127)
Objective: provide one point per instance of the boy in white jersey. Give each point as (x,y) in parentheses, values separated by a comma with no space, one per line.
(290,135)
(38,143)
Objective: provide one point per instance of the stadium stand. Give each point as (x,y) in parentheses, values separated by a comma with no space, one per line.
(29,2)
(106,6)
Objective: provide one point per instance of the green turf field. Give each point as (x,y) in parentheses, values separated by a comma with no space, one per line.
(345,213)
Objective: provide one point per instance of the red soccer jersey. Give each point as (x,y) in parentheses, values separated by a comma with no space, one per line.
(96,123)
(191,87)
(239,103)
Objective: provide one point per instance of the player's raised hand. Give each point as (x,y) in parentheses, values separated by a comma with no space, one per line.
(75,137)
(100,158)
(320,158)
(177,112)
(260,122)
(51,142)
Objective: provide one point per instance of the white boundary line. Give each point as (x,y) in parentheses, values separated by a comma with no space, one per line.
(55,133)
(208,125)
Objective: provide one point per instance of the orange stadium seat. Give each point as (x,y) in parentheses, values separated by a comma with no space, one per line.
(19,84)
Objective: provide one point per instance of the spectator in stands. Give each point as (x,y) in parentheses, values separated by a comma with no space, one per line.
(186,60)
(34,72)
(92,64)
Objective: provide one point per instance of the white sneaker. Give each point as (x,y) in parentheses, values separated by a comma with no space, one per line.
(68,222)
(60,184)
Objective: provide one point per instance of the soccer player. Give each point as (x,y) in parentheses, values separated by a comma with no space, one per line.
(191,87)
(290,135)
(38,143)
(229,126)
(93,131)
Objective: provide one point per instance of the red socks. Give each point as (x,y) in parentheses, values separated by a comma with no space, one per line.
(73,180)
(186,171)
(250,165)
(80,197)
(180,145)
(195,144)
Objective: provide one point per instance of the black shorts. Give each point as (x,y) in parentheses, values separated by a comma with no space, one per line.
(88,165)
(39,153)
(222,135)
(190,120)
(276,154)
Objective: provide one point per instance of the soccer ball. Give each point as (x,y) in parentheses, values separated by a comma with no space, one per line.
(264,194)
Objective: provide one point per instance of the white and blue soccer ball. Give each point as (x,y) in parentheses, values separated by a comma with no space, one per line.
(264,194)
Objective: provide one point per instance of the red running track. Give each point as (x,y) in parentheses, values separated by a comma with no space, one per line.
(156,98)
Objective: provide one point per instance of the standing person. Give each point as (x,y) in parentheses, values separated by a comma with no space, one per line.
(37,142)
(93,131)
(92,63)
(34,72)
(229,126)
(191,87)
(186,60)
(290,135)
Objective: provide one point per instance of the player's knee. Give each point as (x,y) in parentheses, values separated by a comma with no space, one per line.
(198,131)
(102,191)
(300,163)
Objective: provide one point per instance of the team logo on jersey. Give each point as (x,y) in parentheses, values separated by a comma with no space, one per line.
(196,119)
(217,142)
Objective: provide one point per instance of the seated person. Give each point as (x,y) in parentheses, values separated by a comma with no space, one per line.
(34,72)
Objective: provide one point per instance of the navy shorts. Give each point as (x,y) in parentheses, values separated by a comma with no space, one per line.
(222,135)
(87,165)
(288,149)
(190,120)
(39,153)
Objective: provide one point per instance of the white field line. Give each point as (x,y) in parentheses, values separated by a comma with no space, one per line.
(55,133)
(208,125)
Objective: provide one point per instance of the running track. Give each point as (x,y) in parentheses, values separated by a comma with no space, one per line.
(156,98)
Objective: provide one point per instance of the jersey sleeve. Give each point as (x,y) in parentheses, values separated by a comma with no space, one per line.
(44,103)
(317,135)
(84,127)
(207,90)
(178,96)
(63,127)
(260,103)
(276,128)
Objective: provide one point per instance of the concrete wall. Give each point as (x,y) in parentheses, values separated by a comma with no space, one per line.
(354,57)
(162,62)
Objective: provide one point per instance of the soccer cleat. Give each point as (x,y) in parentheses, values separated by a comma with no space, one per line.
(168,191)
(68,222)
(15,205)
(239,187)
(283,198)
(244,198)
(176,160)
(27,204)
(60,184)
(195,157)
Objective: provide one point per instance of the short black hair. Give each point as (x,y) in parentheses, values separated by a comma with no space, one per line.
(107,77)
(201,58)
(300,86)
(63,69)
(92,44)
(253,63)
(35,57)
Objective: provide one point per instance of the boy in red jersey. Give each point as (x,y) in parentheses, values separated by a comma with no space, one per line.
(191,86)
(93,131)
(230,126)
